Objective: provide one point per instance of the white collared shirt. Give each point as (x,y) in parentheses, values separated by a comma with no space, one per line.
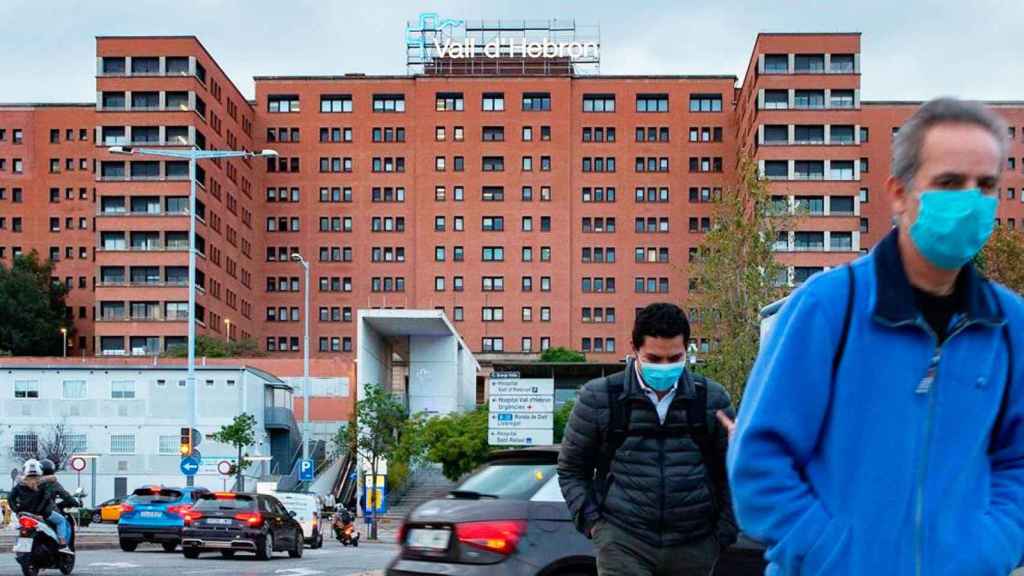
(660,405)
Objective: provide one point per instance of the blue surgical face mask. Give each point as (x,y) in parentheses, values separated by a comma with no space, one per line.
(952,226)
(661,377)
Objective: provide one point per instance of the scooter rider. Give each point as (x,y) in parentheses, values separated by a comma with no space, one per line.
(55,491)
(32,497)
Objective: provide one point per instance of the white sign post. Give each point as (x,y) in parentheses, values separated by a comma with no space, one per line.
(521,410)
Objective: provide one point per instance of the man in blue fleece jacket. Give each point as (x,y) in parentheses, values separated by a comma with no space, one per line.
(890,439)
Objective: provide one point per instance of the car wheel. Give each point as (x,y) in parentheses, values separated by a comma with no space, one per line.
(190,553)
(319,541)
(97,518)
(267,550)
(296,551)
(128,545)
(169,546)
(227,553)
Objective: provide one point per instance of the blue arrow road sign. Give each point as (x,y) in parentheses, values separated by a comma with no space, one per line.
(189,466)
(306,471)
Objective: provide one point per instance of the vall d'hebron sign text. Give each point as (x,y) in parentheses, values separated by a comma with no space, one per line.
(521,410)
(516,48)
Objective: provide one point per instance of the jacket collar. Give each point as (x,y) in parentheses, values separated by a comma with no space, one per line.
(895,304)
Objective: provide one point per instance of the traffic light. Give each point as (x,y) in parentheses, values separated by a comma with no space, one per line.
(185,449)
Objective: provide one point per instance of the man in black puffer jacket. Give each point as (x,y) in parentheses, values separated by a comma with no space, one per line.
(642,464)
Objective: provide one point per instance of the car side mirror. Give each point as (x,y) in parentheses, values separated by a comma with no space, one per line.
(291,513)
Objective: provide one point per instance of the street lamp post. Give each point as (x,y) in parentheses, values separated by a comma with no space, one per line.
(192,155)
(64,334)
(305,357)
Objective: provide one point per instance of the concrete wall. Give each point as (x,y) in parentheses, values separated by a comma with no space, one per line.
(433,374)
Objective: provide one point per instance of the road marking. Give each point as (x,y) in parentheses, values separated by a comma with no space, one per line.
(297,572)
(114,565)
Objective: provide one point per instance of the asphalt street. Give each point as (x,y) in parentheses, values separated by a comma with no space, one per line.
(334,559)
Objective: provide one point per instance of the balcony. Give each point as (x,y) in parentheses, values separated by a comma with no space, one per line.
(147,284)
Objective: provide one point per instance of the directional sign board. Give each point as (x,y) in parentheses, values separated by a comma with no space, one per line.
(521,410)
(306,470)
(189,466)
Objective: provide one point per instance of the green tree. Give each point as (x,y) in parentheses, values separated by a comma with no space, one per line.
(240,434)
(379,419)
(32,305)
(734,276)
(1003,258)
(457,441)
(561,354)
(211,347)
(562,418)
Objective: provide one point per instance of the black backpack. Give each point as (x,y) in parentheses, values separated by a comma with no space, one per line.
(844,336)
(696,424)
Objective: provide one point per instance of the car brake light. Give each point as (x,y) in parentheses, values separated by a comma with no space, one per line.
(402,530)
(125,508)
(191,516)
(224,495)
(253,519)
(179,509)
(498,536)
(27,523)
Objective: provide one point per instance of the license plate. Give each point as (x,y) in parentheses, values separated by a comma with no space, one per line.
(428,539)
(150,514)
(218,521)
(23,546)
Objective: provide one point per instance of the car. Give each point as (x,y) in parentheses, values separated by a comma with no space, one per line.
(230,522)
(308,512)
(108,511)
(155,514)
(509,518)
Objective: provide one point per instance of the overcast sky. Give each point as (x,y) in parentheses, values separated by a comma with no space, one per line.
(911,49)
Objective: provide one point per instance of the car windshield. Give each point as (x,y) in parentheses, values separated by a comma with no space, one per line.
(155,496)
(509,480)
(226,504)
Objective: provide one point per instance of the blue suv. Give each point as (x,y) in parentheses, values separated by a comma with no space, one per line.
(155,514)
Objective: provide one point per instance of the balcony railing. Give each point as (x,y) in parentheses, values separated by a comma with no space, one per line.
(144,284)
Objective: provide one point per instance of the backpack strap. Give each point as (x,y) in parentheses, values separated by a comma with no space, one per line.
(615,433)
(1009,369)
(844,335)
(700,433)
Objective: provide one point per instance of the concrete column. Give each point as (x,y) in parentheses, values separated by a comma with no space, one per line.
(856,169)
(856,203)
(792,93)
(792,169)
(127,134)
(128,66)
(760,63)
(99,65)
(828,205)
(791,138)
(856,98)
(828,134)
(760,99)
(760,134)
(856,241)
(163,66)
(760,167)
(128,100)
(828,63)
(99,100)
(192,65)
(856,63)
(191,100)
(792,63)
(163,134)
(191,134)
(856,134)
(828,236)
(828,97)
(828,172)
(163,100)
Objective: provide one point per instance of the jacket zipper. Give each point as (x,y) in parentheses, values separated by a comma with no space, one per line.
(927,386)
(661,476)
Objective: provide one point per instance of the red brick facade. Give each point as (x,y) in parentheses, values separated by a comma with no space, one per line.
(492,177)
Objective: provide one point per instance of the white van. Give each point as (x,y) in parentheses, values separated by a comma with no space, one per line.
(308,512)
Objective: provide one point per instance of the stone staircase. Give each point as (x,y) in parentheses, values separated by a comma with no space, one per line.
(428,485)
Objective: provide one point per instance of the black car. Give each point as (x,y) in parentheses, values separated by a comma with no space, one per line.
(509,518)
(231,522)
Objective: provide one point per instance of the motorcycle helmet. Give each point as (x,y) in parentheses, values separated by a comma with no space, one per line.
(32,467)
(48,467)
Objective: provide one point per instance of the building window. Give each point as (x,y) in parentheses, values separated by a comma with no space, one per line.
(599,103)
(26,444)
(449,102)
(122,389)
(776,63)
(389,102)
(491,344)
(706,103)
(122,443)
(73,389)
(536,101)
(26,389)
(493,102)
(334,103)
(282,103)
(652,103)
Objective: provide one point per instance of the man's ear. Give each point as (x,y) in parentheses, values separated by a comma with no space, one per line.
(897,192)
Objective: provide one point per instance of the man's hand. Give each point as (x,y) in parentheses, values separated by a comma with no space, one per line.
(728,423)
